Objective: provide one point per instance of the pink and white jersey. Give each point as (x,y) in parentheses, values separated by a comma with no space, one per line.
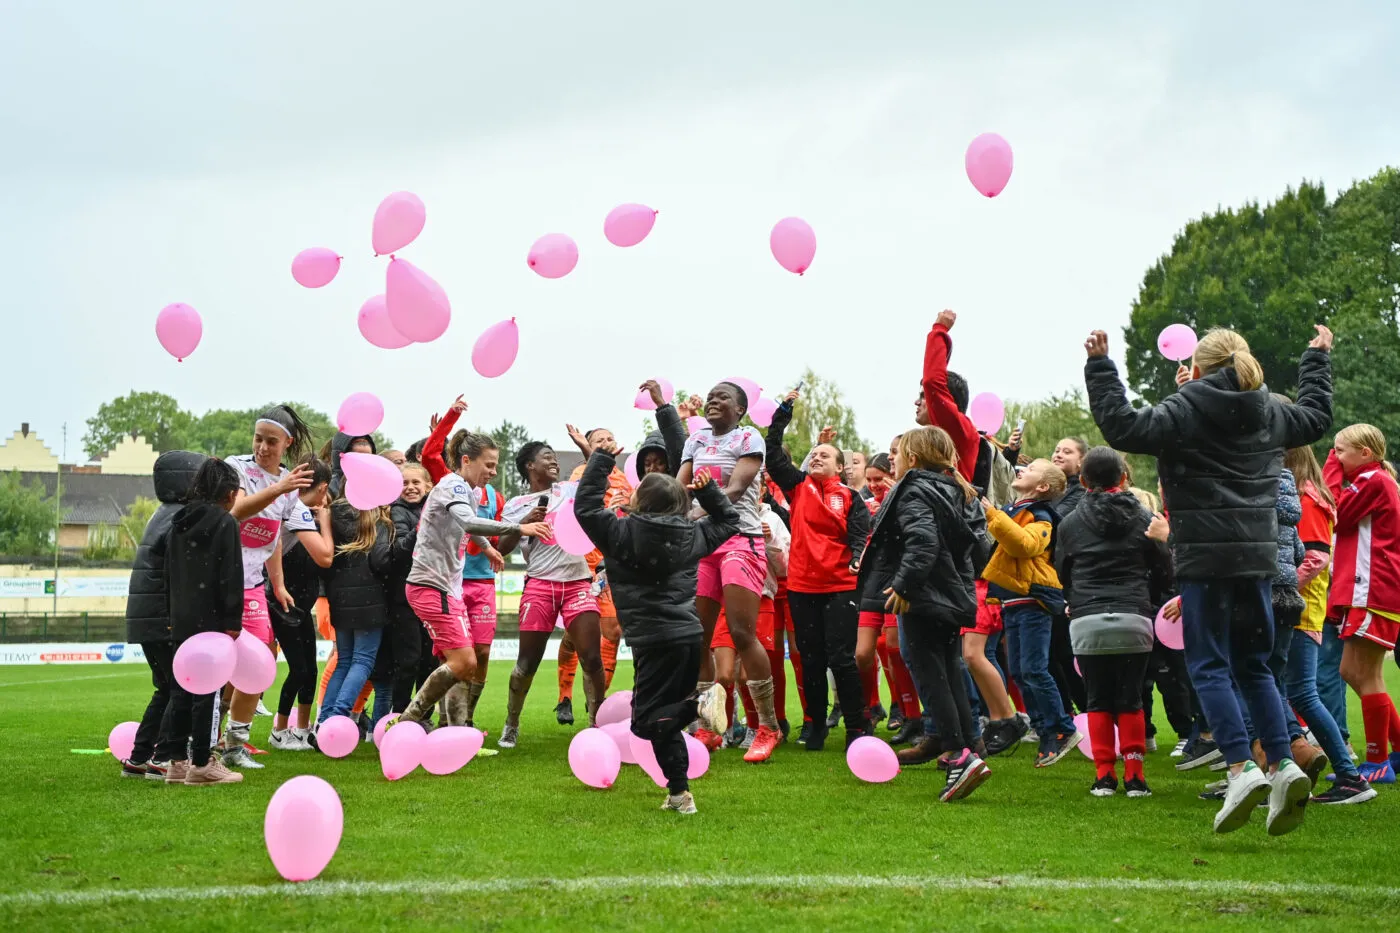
(547,562)
(720,455)
(260,533)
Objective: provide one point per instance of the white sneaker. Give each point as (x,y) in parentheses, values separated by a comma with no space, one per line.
(680,803)
(509,736)
(713,716)
(1243,792)
(263,710)
(1180,749)
(238,757)
(288,740)
(1288,795)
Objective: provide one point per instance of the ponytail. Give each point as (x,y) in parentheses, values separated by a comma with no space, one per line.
(1222,348)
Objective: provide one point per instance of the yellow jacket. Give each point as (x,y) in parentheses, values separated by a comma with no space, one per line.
(1022,557)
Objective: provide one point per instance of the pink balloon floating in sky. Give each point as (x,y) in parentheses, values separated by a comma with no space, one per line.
(376,327)
(794,244)
(628,224)
(315,267)
(988,163)
(418,307)
(553,256)
(178,328)
(397,222)
(495,350)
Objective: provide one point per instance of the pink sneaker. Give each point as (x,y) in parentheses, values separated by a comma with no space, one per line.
(176,772)
(212,773)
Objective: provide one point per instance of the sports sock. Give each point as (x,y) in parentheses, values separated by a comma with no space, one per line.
(750,708)
(568,665)
(904,682)
(1132,741)
(473,696)
(1101,738)
(775,664)
(1376,710)
(608,649)
(882,651)
(434,688)
(454,705)
(515,698)
(762,691)
(870,682)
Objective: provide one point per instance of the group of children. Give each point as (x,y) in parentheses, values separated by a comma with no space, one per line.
(998,593)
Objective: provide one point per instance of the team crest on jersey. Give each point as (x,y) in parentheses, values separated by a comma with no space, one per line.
(459,490)
(836,503)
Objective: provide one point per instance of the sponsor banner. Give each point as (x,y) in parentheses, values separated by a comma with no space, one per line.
(503,649)
(510,583)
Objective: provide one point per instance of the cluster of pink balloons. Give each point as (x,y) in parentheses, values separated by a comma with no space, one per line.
(596,755)
(555,255)
(208,660)
(446,750)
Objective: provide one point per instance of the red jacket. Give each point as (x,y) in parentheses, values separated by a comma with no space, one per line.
(431,457)
(942,411)
(1366,554)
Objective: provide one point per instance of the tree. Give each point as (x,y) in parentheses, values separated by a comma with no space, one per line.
(153,415)
(1050,420)
(28,521)
(822,404)
(133,523)
(223,432)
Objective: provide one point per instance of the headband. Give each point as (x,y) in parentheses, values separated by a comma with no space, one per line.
(277,424)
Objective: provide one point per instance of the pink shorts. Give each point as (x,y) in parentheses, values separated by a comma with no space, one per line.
(740,561)
(256,621)
(479,598)
(442,614)
(543,602)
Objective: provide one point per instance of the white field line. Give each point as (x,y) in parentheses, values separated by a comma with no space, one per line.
(68,680)
(339,889)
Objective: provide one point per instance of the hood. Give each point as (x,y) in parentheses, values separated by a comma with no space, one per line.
(662,542)
(173,473)
(657,443)
(1112,515)
(340,444)
(1220,400)
(198,520)
(951,492)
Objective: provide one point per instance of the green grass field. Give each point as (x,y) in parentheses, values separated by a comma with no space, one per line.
(516,843)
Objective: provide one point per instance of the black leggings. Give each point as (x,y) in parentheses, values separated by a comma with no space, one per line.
(399,655)
(932,649)
(825,625)
(1072,690)
(664,703)
(153,739)
(194,721)
(296,635)
(1113,682)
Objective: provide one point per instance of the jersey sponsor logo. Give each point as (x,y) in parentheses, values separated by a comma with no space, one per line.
(258,532)
(459,490)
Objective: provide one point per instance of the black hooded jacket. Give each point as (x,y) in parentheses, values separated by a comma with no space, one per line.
(341,445)
(668,439)
(355,581)
(921,547)
(147,607)
(1106,562)
(203,559)
(1074,494)
(1220,452)
(405,516)
(652,559)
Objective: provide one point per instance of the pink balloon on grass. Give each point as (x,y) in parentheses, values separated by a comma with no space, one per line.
(696,423)
(303,826)
(643,400)
(254,667)
(988,163)
(418,307)
(401,749)
(370,480)
(553,256)
(630,471)
(448,748)
(122,739)
(761,411)
(1169,631)
(397,222)
(615,708)
(379,727)
(621,734)
(1177,342)
(1086,744)
(337,736)
(793,243)
(496,349)
(360,414)
(315,267)
(568,533)
(628,224)
(699,761)
(646,759)
(594,759)
(987,412)
(178,328)
(376,327)
(872,760)
(205,662)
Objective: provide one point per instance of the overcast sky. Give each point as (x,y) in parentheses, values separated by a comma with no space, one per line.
(162,152)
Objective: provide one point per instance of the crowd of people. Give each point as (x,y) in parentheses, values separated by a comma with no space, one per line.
(998,594)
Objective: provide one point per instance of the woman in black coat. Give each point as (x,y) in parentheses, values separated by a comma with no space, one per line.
(359,605)
(918,565)
(406,645)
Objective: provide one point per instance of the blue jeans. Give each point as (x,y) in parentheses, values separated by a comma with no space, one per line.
(383,700)
(1330,686)
(1028,655)
(355,651)
(1228,626)
(1301,679)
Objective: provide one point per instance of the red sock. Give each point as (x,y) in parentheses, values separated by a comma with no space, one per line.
(882,651)
(1132,740)
(870,680)
(775,663)
(750,710)
(796,659)
(904,687)
(1101,740)
(1015,692)
(729,703)
(1376,711)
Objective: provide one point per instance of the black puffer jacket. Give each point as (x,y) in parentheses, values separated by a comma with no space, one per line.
(921,547)
(405,516)
(147,607)
(203,571)
(652,559)
(355,581)
(1106,562)
(1220,452)
(340,444)
(668,439)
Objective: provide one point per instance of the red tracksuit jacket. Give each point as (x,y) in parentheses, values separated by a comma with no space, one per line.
(1366,550)
(825,514)
(942,411)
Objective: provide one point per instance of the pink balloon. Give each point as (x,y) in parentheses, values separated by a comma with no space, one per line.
(752,389)
(643,401)
(379,728)
(621,734)
(315,267)
(553,256)
(205,662)
(871,760)
(254,667)
(418,307)
(616,708)
(568,533)
(646,759)
(630,471)
(449,748)
(360,414)
(628,224)
(696,423)
(401,749)
(122,739)
(594,759)
(303,826)
(761,411)
(1177,342)
(370,480)
(793,244)
(988,163)
(699,761)
(1081,724)
(337,736)
(376,327)
(987,413)
(496,349)
(397,222)
(178,328)
(1169,631)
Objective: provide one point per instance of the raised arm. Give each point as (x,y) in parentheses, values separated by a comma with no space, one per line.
(431,457)
(780,468)
(597,520)
(1134,431)
(672,428)
(721,521)
(1308,420)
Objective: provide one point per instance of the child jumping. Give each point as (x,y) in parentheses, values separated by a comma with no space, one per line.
(652,557)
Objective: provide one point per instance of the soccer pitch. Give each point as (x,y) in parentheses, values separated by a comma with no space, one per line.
(516,843)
